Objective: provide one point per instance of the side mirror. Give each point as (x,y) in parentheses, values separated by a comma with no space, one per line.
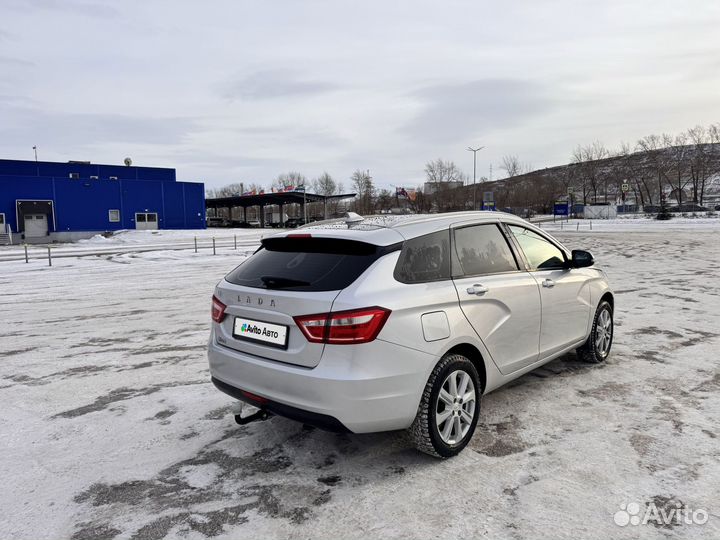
(581,259)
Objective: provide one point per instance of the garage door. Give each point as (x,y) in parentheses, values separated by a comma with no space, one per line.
(36,225)
(146,221)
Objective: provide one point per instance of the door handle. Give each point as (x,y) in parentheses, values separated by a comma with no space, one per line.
(549,283)
(477,289)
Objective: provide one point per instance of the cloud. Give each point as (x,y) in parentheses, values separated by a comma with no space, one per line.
(453,112)
(81,129)
(15,62)
(77,7)
(268,84)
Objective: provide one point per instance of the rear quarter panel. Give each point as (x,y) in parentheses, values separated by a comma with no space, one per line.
(408,302)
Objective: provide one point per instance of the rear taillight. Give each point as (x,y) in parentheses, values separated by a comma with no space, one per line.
(253,397)
(343,327)
(217,311)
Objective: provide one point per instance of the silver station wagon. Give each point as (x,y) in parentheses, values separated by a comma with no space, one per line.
(388,323)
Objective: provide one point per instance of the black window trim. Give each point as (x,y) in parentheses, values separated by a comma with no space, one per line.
(515,242)
(520,263)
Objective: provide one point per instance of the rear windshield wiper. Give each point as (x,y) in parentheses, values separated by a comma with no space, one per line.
(274,282)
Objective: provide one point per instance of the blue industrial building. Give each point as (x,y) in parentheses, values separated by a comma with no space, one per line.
(46,201)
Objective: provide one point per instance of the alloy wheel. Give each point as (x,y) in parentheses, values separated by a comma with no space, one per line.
(455,407)
(603,333)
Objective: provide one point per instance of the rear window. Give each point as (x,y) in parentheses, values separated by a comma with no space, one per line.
(425,258)
(307,264)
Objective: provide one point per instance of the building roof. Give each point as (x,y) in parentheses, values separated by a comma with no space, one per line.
(264,199)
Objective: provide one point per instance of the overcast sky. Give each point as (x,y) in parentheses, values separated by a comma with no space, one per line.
(230,91)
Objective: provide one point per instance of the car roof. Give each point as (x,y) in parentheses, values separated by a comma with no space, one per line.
(388,229)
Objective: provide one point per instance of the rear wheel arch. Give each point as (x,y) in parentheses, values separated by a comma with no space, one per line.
(475,356)
(609,298)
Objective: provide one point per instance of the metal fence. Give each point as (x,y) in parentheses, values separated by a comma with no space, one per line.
(28,252)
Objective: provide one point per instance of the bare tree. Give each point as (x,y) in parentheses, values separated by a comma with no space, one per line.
(363,185)
(653,147)
(637,175)
(324,184)
(443,171)
(580,176)
(513,167)
(385,200)
(699,136)
(290,179)
(229,190)
(680,162)
(588,159)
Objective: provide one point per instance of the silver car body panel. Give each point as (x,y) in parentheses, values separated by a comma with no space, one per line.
(515,327)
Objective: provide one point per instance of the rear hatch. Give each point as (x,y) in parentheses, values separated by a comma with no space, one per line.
(288,276)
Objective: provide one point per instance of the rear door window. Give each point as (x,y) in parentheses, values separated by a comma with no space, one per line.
(482,249)
(539,251)
(425,258)
(307,264)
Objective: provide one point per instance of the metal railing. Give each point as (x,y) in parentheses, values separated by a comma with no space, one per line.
(7,232)
(28,252)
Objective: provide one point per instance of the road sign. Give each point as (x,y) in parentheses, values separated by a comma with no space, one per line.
(561,208)
(625,188)
(488,196)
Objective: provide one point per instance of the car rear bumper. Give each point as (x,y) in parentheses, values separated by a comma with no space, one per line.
(362,388)
(322,421)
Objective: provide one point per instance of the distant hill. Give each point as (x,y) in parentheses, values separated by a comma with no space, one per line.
(691,173)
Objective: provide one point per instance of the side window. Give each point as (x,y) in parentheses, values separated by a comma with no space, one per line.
(482,249)
(540,253)
(426,258)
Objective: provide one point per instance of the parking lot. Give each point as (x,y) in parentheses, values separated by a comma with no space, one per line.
(113,430)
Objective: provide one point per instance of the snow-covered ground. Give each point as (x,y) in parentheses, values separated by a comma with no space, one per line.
(110,428)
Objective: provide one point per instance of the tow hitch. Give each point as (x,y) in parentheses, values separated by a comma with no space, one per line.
(259,414)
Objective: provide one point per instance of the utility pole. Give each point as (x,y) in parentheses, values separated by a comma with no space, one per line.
(474,151)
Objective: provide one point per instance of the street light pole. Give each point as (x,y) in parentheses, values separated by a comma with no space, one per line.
(474,151)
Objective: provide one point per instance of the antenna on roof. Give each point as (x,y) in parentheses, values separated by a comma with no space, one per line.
(351,218)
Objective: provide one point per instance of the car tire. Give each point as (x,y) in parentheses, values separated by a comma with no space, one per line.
(597,347)
(450,407)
